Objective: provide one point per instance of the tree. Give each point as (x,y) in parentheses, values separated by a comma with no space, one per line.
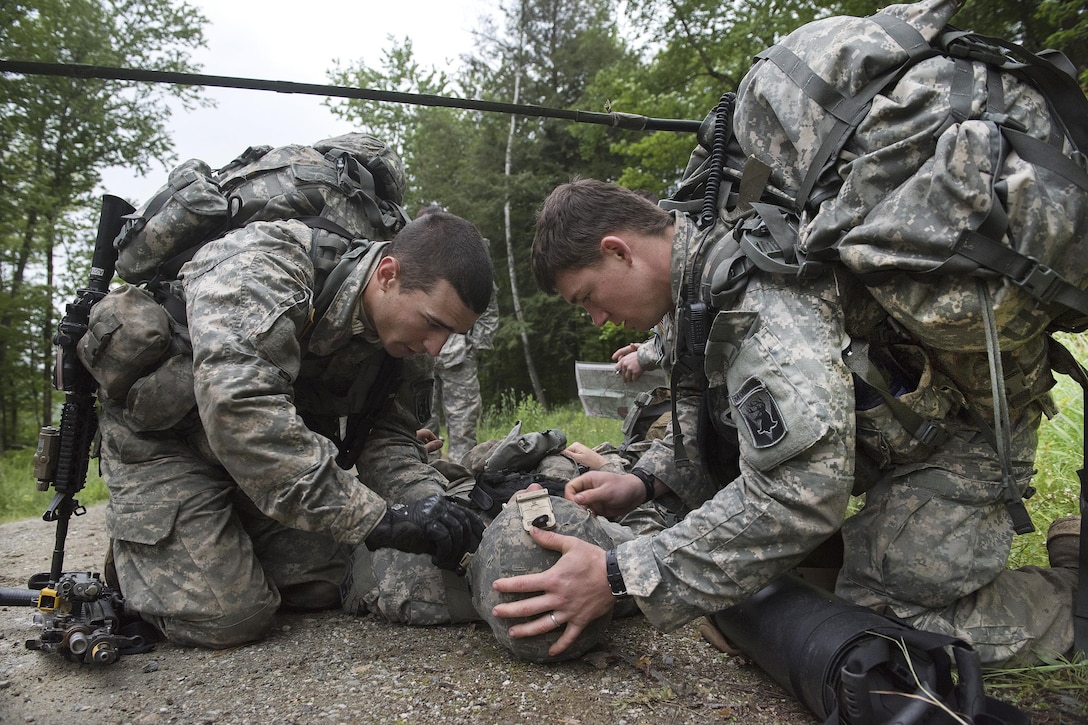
(56,135)
(494,169)
(402,126)
(544,53)
(699,49)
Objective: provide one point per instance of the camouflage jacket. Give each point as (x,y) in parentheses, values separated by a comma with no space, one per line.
(774,365)
(261,395)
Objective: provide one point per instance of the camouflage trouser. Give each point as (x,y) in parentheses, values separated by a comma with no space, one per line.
(931,545)
(457,402)
(193,554)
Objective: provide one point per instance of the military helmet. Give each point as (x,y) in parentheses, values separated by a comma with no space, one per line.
(379,157)
(507,550)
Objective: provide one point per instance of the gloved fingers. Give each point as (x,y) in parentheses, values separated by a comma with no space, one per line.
(442,540)
(472,523)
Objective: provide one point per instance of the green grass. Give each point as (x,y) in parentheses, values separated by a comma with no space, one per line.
(19,494)
(570,419)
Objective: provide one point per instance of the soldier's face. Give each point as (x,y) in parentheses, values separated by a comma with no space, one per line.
(409,323)
(613,291)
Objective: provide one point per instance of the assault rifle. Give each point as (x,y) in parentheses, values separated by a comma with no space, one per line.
(81,616)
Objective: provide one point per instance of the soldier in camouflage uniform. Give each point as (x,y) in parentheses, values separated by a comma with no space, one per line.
(224,515)
(457,399)
(457,384)
(932,542)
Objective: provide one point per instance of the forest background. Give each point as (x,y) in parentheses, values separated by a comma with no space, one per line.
(672,59)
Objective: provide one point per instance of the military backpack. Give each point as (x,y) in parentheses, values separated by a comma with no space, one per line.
(943,170)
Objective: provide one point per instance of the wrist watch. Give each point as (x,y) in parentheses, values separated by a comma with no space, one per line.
(612,573)
(647,479)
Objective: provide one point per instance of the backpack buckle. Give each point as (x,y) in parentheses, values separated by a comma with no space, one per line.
(1040,281)
(930,434)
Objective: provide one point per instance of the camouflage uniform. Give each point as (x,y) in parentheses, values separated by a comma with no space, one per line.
(932,541)
(457,384)
(652,353)
(219,519)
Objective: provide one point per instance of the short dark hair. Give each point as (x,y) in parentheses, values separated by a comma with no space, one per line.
(441,245)
(431,208)
(577,215)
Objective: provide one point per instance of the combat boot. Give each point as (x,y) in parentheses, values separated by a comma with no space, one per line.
(1063,543)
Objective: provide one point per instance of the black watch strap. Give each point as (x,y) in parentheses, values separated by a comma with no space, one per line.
(612,573)
(647,479)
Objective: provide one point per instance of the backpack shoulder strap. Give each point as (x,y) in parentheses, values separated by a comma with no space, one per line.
(360,424)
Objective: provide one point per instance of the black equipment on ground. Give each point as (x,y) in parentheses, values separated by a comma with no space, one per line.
(848,664)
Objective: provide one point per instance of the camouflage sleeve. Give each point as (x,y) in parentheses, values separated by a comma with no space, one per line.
(792,400)
(393,461)
(482,334)
(651,353)
(248,297)
(688,487)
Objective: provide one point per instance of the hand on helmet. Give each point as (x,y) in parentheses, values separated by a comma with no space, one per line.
(434,525)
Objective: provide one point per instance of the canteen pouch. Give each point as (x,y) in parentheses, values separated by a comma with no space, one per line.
(128,333)
(162,399)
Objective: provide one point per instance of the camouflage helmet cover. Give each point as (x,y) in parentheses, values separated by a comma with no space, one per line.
(379,157)
(508,550)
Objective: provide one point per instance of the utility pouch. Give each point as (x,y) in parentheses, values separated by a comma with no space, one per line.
(161,399)
(931,398)
(128,333)
(189,209)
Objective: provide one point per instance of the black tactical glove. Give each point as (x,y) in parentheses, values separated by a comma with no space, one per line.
(434,525)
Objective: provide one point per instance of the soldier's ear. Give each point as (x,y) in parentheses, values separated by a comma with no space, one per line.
(615,246)
(386,272)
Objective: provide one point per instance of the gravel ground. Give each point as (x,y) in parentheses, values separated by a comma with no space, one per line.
(331,667)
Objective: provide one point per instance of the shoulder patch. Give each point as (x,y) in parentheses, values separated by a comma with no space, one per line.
(423,403)
(760,413)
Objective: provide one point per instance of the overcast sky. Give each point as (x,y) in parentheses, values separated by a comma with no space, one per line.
(288,41)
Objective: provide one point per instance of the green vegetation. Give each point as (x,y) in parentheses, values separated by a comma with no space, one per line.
(19,495)
(570,419)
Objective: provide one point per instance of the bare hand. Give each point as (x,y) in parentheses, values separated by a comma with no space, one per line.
(583,455)
(574,591)
(429,440)
(627,365)
(611,495)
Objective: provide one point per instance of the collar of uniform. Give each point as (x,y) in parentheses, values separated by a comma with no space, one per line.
(685,240)
(360,325)
(337,325)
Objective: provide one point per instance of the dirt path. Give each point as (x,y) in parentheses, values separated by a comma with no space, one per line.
(335,668)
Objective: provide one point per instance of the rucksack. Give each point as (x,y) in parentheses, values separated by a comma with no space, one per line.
(347,189)
(945,170)
(350,185)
